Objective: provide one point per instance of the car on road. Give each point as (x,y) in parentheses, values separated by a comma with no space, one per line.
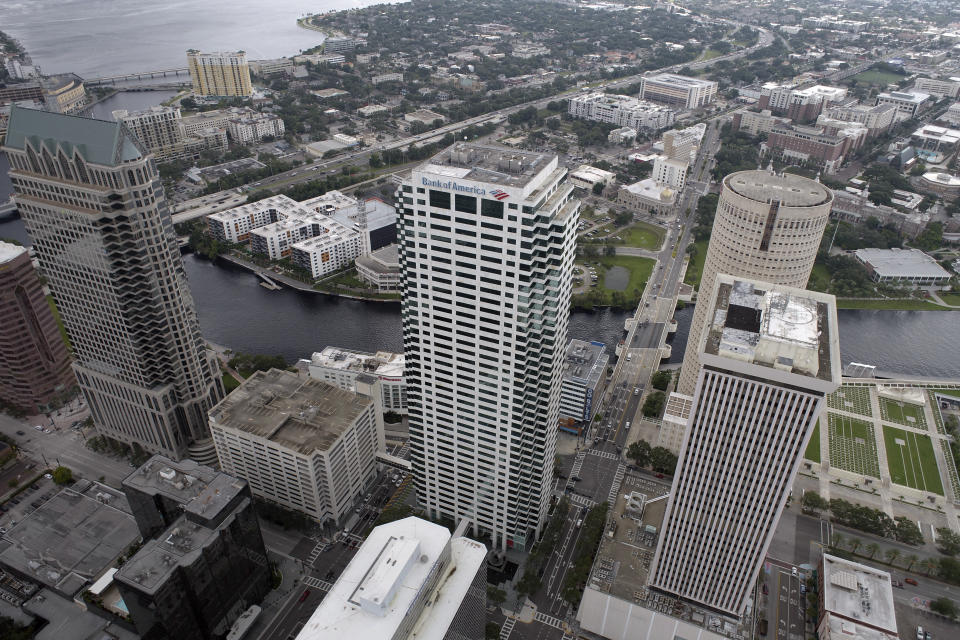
(636,391)
(21,433)
(911,581)
(304,595)
(920,635)
(38,427)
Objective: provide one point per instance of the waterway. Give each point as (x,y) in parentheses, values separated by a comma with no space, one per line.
(129,100)
(96,38)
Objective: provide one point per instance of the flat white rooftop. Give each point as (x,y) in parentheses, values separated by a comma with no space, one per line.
(901,263)
(858,593)
(383,363)
(9,251)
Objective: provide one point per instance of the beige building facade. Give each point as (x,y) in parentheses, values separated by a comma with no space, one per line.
(219,74)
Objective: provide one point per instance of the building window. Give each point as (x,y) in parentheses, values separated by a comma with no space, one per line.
(439,199)
(466,204)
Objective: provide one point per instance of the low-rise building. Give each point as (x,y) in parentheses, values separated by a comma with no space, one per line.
(755,123)
(910,267)
(340,367)
(648,195)
(623,135)
(326,94)
(339,44)
(952,115)
(584,371)
(677,90)
(586,176)
(410,579)
(371,110)
(271,68)
(386,77)
(935,144)
(300,443)
(254,127)
(321,59)
(381,269)
(856,601)
(949,88)
(908,103)
(620,110)
(423,116)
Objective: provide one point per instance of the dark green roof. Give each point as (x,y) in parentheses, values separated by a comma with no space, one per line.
(97,141)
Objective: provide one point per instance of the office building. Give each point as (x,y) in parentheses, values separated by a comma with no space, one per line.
(380,268)
(877,119)
(824,147)
(767,227)
(934,144)
(681,91)
(622,111)
(908,103)
(340,367)
(586,177)
(899,267)
(669,172)
(683,144)
(487,242)
(949,88)
(300,443)
(856,601)
(219,74)
(584,373)
(91,199)
(768,355)
(194,577)
(35,372)
(410,580)
(157,128)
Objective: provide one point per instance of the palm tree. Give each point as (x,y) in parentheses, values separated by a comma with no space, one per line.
(929,565)
(855,543)
(891,555)
(872,549)
(911,559)
(836,541)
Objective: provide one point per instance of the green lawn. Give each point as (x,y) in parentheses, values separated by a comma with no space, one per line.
(904,304)
(643,236)
(950,298)
(709,54)
(813,447)
(911,461)
(600,295)
(229,382)
(56,316)
(695,268)
(851,400)
(903,413)
(819,278)
(852,445)
(948,392)
(878,78)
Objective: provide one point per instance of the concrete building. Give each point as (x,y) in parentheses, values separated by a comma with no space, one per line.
(814,145)
(371,110)
(936,145)
(877,119)
(949,88)
(303,444)
(216,119)
(622,135)
(64,93)
(19,92)
(648,195)
(584,371)
(254,127)
(103,235)
(586,176)
(623,111)
(272,68)
(475,291)
(910,267)
(386,77)
(424,117)
(908,103)
(768,357)
(35,374)
(755,123)
(800,105)
(193,578)
(683,144)
(856,601)
(681,91)
(670,173)
(381,268)
(339,44)
(341,367)
(410,579)
(952,115)
(219,74)
(157,128)
(767,227)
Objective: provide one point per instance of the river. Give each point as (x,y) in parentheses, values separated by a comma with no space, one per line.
(95,38)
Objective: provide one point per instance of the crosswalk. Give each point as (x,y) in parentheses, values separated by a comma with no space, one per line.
(556,623)
(507,628)
(604,454)
(577,466)
(615,487)
(580,500)
(318,548)
(323,585)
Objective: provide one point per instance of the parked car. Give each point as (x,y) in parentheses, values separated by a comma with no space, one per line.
(911,581)
(21,433)
(305,595)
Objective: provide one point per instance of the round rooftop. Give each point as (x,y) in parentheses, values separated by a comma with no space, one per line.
(944,179)
(791,190)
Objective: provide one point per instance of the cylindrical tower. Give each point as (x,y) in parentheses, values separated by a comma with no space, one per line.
(768,227)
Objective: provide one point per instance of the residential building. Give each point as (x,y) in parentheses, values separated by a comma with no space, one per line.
(767,358)
(216,119)
(35,374)
(381,268)
(409,579)
(623,135)
(64,93)
(193,578)
(899,267)
(856,601)
(272,68)
(254,127)
(800,105)
(949,88)
(681,91)
(755,123)
(936,145)
(484,331)
(322,59)
(683,144)
(338,44)
(219,74)
(340,367)
(623,111)
(102,232)
(157,128)
(386,77)
(952,115)
(584,373)
(813,145)
(300,443)
(877,119)
(669,172)
(586,176)
(767,226)
(908,103)
(835,23)
(333,247)
(648,195)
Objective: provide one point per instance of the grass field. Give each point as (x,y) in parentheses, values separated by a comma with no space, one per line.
(819,278)
(948,392)
(950,298)
(903,413)
(639,268)
(229,382)
(643,236)
(813,447)
(902,304)
(851,400)
(852,445)
(911,461)
(695,268)
(878,78)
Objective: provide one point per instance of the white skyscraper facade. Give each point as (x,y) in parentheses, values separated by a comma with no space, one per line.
(487,239)
(768,356)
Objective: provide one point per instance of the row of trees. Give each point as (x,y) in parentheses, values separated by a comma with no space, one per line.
(857,516)
(248,363)
(529,583)
(659,459)
(586,549)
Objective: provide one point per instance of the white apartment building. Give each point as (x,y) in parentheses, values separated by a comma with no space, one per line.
(300,443)
(487,244)
(254,127)
(683,144)
(670,172)
(234,225)
(333,247)
(681,91)
(908,103)
(623,111)
(949,88)
(769,356)
(584,370)
(158,128)
(340,367)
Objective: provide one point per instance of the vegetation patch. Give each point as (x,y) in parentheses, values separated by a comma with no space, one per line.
(639,272)
(813,447)
(851,399)
(853,445)
(911,461)
(643,236)
(903,413)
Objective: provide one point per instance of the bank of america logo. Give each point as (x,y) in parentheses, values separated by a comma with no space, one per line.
(500,195)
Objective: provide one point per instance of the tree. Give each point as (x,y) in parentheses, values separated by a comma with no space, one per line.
(62,475)
(663,461)
(610,251)
(639,452)
(496,596)
(653,406)
(929,565)
(491,631)
(837,541)
(872,549)
(661,380)
(855,543)
(813,502)
(945,607)
(949,569)
(891,555)
(948,542)
(911,559)
(598,188)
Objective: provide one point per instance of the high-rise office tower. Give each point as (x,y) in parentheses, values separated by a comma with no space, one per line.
(486,249)
(91,199)
(768,356)
(34,363)
(767,227)
(219,74)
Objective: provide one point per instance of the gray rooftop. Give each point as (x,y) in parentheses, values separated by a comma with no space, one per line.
(383,260)
(902,263)
(98,141)
(487,163)
(301,414)
(180,481)
(859,593)
(585,361)
(789,189)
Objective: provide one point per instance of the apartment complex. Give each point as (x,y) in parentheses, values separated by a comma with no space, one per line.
(908,103)
(300,443)
(767,227)
(410,579)
(768,357)
(622,111)
(800,105)
(194,576)
(91,199)
(676,90)
(584,372)
(34,364)
(487,242)
(683,144)
(219,74)
(157,128)
(253,127)
(949,88)
(340,367)
(757,122)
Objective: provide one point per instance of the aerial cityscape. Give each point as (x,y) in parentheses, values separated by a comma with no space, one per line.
(492,320)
